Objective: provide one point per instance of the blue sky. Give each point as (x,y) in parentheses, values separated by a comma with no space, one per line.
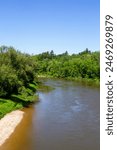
(35,26)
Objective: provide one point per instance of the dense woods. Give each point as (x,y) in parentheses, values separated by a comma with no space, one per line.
(19,73)
(81,66)
(17,79)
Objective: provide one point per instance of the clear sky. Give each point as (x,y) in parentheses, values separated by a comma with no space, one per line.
(35,26)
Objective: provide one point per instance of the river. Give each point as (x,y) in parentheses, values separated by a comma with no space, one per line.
(66,118)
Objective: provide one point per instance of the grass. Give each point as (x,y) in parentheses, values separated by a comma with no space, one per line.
(7,106)
(23,99)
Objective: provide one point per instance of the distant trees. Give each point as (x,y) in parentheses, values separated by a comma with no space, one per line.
(18,71)
(82,65)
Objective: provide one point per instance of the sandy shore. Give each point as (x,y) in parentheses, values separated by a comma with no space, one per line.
(8,124)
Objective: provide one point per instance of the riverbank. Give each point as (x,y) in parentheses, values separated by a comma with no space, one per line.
(8,124)
(18,101)
(84,81)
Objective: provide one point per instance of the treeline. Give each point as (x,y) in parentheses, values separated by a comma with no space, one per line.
(18,81)
(19,73)
(84,65)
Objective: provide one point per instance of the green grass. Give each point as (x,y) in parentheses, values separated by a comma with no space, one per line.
(7,106)
(23,99)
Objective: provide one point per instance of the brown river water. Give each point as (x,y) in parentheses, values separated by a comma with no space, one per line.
(66,118)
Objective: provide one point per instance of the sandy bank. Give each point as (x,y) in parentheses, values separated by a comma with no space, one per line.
(8,124)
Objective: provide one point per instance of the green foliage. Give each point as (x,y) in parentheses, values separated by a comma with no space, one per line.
(85,65)
(17,70)
(33,87)
(26,100)
(8,80)
(7,105)
(19,73)
(18,77)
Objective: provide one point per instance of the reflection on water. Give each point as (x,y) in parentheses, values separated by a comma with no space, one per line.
(66,118)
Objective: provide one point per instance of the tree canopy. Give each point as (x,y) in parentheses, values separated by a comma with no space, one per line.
(19,73)
(17,70)
(82,65)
